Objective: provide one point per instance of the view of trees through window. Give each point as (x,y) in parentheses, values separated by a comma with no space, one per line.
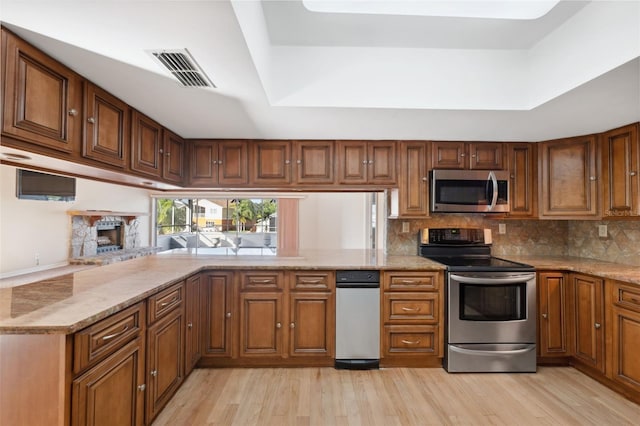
(217,226)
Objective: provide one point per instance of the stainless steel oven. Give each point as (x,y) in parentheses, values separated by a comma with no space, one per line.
(491,321)
(490,303)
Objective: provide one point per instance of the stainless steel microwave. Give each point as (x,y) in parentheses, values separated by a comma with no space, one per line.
(471,191)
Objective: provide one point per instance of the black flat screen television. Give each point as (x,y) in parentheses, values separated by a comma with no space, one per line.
(43,186)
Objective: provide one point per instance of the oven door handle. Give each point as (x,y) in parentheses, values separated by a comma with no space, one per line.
(511,279)
(489,352)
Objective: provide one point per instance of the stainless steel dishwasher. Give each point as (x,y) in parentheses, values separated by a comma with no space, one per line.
(357,319)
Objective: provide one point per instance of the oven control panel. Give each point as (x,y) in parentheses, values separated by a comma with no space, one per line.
(455,236)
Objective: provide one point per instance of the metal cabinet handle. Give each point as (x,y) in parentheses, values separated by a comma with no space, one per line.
(512,176)
(425,179)
(111,336)
(168,154)
(597,325)
(292,325)
(310,280)
(409,342)
(632,173)
(73,112)
(299,162)
(287,161)
(91,120)
(261,281)
(154,373)
(364,161)
(404,308)
(592,178)
(163,304)
(370,161)
(411,282)
(278,325)
(544,316)
(142,387)
(228,315)
(462,154)
(190,325)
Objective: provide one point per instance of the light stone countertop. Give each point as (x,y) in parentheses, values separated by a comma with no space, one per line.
(66,303)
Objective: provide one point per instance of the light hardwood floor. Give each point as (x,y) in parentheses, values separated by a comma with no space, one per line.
(394,396)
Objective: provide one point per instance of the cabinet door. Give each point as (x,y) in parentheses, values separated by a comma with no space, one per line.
(203,166)
(486,156)
(106,127)
(314,162)
(620,161)
(625,335)
(233,163)
(448,155)
(523,188)
(568,178)
(195,303)
(271,162)
(311,324)
(42,99)
(219,314)
(261,324)
(381,162)
(413,182)
(352,162)
(165,363)
(589,316)
(553,315)
(146,145)
(112,392)
(173,160)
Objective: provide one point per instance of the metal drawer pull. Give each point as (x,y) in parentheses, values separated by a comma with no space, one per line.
(310,280)
(163,304)
(404,308)
(410,282)
(268,280)
(111,336)
(409,342)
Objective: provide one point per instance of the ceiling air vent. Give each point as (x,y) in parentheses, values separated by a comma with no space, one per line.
(182,66)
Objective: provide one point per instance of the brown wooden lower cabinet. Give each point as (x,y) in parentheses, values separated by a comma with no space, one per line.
(193,313)
(311,324)
(411,340)
(554,316)
(261,324)
(219,314)
(588,295)
(112,392)
(625,335)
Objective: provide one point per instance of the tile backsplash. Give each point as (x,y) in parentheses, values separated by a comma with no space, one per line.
(532,237)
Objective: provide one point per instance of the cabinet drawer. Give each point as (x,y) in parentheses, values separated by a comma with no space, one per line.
(410,339)
(410,307)
(626,296)
(313,280)
(410,281)
(96,342)
(261,281)
(164,302)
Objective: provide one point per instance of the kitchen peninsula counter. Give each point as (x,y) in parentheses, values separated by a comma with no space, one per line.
(67,303)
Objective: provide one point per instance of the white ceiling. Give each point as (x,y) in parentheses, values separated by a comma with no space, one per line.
(283,71)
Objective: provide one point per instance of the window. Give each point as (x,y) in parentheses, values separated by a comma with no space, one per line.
(217,225)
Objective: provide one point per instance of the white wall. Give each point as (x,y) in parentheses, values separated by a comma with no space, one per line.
(333,220)
(28,227)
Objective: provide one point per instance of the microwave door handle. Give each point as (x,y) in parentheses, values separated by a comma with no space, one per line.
(494,182)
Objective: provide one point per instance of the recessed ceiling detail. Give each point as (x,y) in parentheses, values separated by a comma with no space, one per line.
(182,66)
(458,9)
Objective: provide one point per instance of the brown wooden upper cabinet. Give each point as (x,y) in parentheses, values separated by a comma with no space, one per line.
(366,162)
(467,155)
(173,162)
(271,162)
(146,145)
(218,162)
(42,99)
(106,127)
(568,178)
(523,186)
(314,162)
(620,161)
(413,180)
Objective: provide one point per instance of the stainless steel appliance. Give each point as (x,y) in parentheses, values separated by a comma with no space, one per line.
(490,303)
(475,191)
(357,319)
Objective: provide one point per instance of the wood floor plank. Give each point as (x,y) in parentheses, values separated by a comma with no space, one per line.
(393,397)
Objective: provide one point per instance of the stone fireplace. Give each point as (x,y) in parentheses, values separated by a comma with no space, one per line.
(97,236)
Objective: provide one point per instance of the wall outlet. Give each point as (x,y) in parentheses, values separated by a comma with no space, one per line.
(405,226)
(602,231)
(502,228)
